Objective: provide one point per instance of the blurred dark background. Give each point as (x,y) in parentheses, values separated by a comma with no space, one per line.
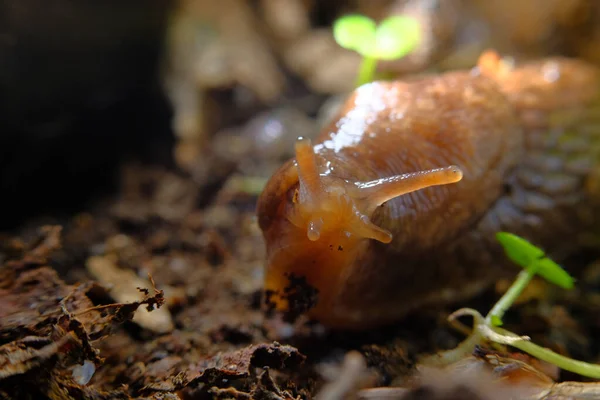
(80,92)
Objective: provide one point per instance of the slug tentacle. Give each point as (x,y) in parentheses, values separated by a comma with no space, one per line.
(379,191)
(310,187)
(323,203)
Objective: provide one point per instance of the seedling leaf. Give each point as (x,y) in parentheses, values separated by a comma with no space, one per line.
(533,259)
(356,32)
(553,273)
(396,37)
(519,250)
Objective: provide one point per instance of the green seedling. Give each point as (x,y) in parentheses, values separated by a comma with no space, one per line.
(533,260)
(392,39)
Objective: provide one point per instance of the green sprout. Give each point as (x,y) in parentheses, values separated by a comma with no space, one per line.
(393,38)
(534,262)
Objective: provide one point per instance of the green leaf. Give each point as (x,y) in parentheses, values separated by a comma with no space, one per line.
(356,32)
(496,321)
(553,273)
(533,259)
(396,37)
(518,249)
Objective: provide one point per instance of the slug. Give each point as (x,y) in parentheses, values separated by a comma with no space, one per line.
(397,203)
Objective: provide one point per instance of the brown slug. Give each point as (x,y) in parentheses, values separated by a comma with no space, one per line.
(396,205)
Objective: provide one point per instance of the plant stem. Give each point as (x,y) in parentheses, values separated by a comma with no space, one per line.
(511,295)
(447,357)
(367,71)
(485,329)
(566,363)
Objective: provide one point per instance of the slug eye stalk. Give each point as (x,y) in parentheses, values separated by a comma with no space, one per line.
(323,204)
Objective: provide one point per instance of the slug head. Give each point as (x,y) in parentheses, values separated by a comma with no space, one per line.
(317,226)
(324,206)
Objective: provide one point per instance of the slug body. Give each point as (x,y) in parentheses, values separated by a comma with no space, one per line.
(397,203)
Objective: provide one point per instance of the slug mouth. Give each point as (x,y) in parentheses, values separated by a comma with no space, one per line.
(303,276)
(292,299)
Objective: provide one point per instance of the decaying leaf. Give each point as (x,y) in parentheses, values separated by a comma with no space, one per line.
(222,369)
(21,256)
(237,364)
(50,327)
(123,286)
(32,305)
(28,353)
(220,372)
